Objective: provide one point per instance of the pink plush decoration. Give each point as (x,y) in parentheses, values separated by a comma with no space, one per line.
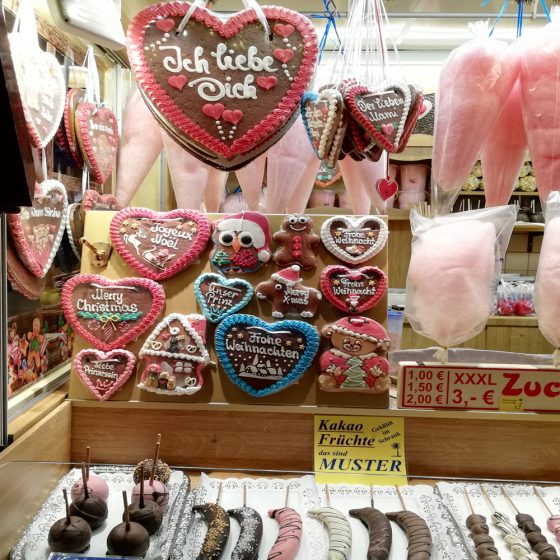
(250,179)
(503,154)
(449,286)
(292,167)
(547,286)
(473,87)
(139,147)
(360,180)
(215,189)
(540,90)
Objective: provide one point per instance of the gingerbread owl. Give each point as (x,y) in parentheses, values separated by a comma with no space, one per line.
(240,243)
(297,242)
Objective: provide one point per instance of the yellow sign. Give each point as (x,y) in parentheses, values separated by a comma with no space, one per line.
(359,450)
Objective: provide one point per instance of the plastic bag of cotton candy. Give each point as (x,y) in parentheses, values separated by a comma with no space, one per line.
(454,270)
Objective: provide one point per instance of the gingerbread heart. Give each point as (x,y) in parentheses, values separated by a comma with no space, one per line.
(354,240)
(386,188)
(159,244)
(353,290)
(37,230)
(42,89)
(73,98)
(93,200)
(19,276)
(382,113)
(104,373)
(219,297)
(111,313)
(223,87)
(325,184)
(98,136)
(75,228)
(262,358)
(413,116)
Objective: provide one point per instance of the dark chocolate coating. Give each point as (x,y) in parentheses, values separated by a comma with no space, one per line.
(92,509)
(549,556)
(150,516)
(69,537)
(417,533)
(482,538)
(380,532)
(162,472)
(483,549)
(250,536)
(480,529)
(523,518)
(218,531)
(474,519)
(535,537)
(134,542)
(530,527)
(542,547)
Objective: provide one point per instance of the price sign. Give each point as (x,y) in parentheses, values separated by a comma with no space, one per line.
(479,387)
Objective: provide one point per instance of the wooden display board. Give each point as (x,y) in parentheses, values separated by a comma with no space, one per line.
(217,388)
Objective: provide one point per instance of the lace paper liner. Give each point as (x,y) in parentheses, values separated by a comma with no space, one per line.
(33,543)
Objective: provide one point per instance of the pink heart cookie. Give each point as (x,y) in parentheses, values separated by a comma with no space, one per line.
(98,137)
(353,291)
(229,63)
(104,373)
(159,244)
(37,230)
(111,313)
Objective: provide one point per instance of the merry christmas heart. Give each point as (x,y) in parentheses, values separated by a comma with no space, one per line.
(37,230)
(263,358)
(220,297)
(104,373)
(159,244)
(223,87)
(353,290)
(111,313)
(98,136)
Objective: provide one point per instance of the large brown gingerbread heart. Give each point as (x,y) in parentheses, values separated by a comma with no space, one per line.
(224,87)
(37,230)
(98,136)
(111,313)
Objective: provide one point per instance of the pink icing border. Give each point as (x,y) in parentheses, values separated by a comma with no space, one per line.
(72,146)
(91,197)
(328,292)
(24,250)
(83,112)
(183,261)
(129,368)
(170,111)
(411,121)
(158,303)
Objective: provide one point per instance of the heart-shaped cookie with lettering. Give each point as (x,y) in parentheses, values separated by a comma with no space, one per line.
(104,373)
(93,200)
(159,244)
(354,240)
(98,137)
(111,313)
(19,276)
(382,113)
(353,290)
(219,297)
(263,358)
(41,87)
(37,230)
(222,88)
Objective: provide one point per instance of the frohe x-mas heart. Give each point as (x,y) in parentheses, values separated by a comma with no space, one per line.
(219,297)
(104,373)
(159,244)
(212,84)
(354,240)
(111,313)
(263,358)
(353,290)
(37,230)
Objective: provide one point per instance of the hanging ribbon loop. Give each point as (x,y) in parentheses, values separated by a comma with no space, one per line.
(330,14)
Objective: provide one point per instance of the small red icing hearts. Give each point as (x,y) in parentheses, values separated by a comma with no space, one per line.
(284,55)
(111,313)
(387,188)
(165,25)
(104,373)
(233,117)
(159,244)
(267,82)
(213,110)
(353,290)
(283,30)
(98,136)
(178,82)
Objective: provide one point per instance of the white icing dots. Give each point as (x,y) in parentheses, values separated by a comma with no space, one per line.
(217,122)
(231,51)
(166,35)
(285,39)
(284,66)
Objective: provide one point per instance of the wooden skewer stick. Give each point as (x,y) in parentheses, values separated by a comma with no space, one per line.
(287,496)
(507,497)
(65,494)
(371,495)
(328,495)
(126,512)
(400,497)
(471,509)
(485,494)
(244,495)
(156,457)
(542,500)
(84,481)
(87,460)
(219,496)
(141,503)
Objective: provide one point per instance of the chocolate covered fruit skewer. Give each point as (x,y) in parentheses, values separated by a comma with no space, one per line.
(416,529)
(479,532)
(553,522)
(379,527)
(153,468)
(90,507)
(217,535)
(128,538)
(338,529)
(146,512)
(69,534)
(533,533)
(251,530)
(95,484)
(156,490)
(290,527)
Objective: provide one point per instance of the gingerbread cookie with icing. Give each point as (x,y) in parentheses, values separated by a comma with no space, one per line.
(297,242)
(357,360)
(287,294)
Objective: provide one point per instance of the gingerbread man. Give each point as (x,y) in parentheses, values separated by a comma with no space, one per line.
(297,242)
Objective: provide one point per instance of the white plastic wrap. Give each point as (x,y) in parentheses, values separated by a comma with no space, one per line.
(454,269)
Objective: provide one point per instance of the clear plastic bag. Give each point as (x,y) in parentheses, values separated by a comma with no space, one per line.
(454,270)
